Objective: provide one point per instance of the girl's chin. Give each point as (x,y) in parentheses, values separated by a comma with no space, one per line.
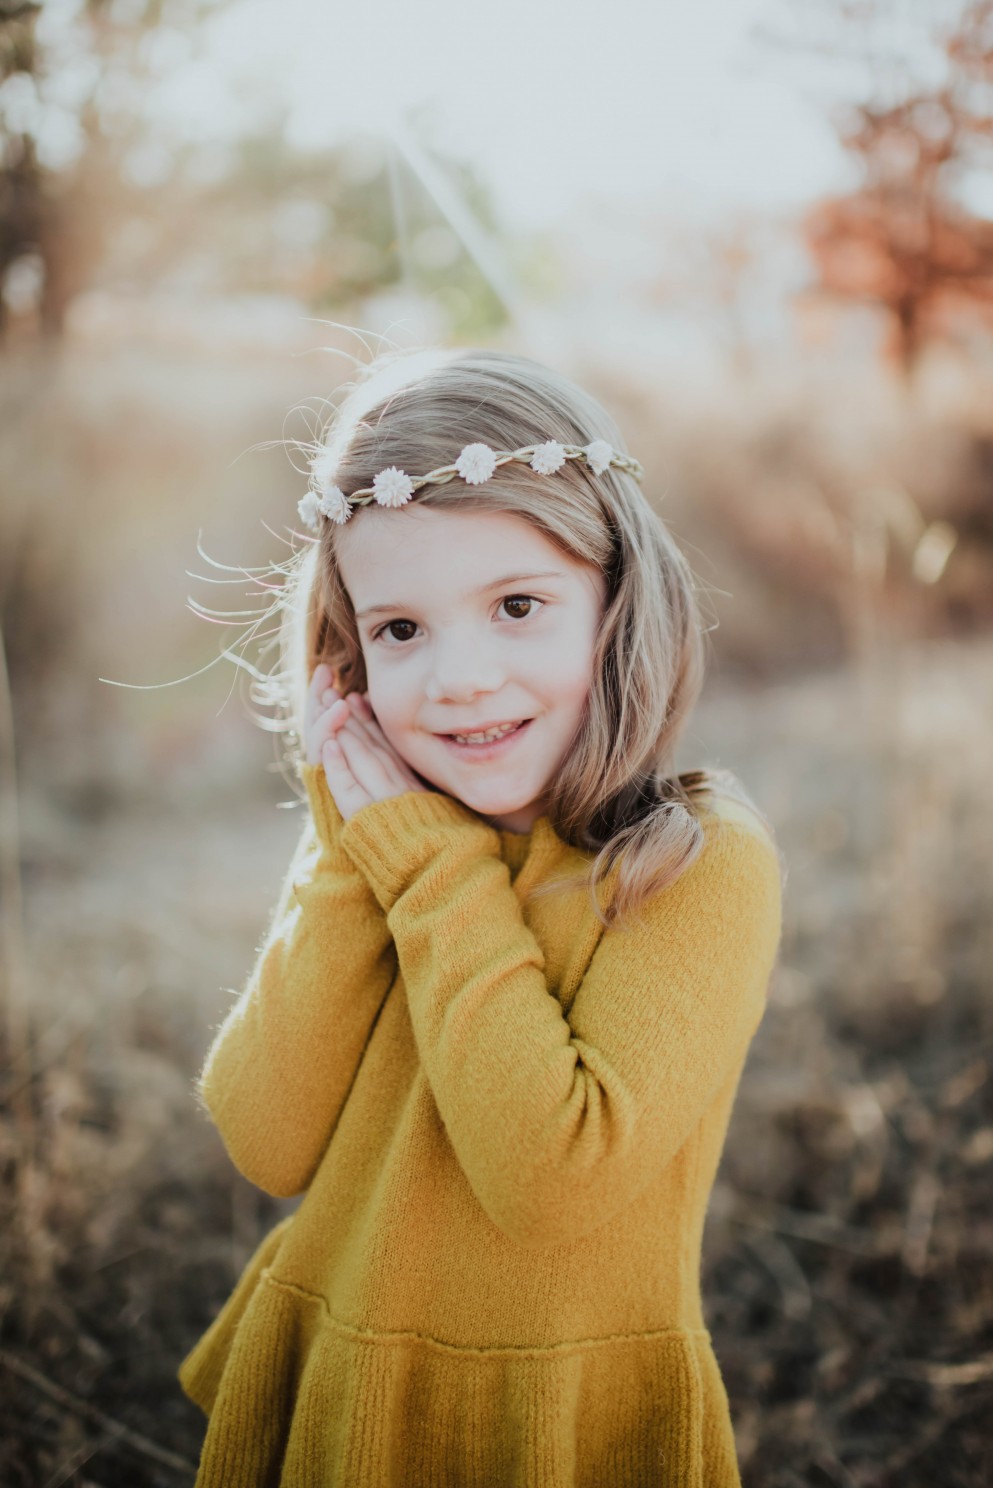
(492,801)
(497,807)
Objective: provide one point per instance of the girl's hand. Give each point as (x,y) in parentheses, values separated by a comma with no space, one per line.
(321,716)
(359,764)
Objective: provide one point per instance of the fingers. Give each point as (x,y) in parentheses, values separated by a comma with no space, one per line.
(321,682)
(343,734)
(319,711)
(324,727)
(358,770)
(377,769)
(318,688)
(333,716)
(349,795)
(364,724)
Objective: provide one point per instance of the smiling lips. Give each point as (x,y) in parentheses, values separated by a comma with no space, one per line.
(487,736)
(484,736)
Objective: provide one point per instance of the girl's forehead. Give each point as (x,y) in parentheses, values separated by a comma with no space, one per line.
(426,548)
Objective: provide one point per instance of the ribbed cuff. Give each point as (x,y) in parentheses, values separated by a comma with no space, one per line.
(392,841)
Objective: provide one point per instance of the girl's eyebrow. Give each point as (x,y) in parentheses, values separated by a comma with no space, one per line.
(552,573)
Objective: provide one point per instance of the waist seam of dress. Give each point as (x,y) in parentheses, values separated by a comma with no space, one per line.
(568,1346)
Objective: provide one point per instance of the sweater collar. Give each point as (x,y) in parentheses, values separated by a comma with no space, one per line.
(536,848)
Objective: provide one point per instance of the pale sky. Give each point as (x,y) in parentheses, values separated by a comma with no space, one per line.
(554,102)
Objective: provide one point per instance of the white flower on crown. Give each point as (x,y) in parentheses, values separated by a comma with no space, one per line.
(393,487)
(308,509)
(548,457)
(334,504)
(599,455)
(476,463)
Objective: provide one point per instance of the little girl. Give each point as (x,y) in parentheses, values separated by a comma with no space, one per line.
(495,1032)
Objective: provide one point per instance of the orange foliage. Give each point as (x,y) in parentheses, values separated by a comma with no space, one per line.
(902,240)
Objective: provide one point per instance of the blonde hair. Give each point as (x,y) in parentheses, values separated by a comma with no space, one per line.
(616,795)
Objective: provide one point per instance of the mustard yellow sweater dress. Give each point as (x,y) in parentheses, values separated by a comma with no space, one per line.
(504,1122)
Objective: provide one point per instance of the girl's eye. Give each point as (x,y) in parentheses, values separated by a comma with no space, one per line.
(393,626)
(509,600)
(514,601)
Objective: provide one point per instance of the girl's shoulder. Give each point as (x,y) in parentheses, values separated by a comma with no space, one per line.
(727,817)
(732,883)
(726,808)
(723,800)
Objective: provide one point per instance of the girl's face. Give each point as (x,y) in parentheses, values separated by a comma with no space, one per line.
(470,621)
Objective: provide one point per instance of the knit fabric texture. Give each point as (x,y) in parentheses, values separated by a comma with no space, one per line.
(504,1122)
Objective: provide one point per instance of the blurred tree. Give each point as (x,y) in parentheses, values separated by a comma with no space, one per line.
(73,80)
(19,173)
(327,227)
(905,238)
(97,191)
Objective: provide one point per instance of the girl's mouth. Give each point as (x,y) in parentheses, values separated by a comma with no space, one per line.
(489,748)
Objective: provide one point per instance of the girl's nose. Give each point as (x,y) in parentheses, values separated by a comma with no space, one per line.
(462,670)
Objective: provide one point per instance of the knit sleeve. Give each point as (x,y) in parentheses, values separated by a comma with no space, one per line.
(281,1065)
(559,1122)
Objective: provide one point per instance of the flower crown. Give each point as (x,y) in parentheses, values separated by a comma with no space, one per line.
(476,463)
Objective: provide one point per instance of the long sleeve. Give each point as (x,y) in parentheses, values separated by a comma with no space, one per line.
(281,1065)
(558,1123)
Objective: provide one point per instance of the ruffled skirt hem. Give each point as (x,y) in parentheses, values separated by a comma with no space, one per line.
(295,1399)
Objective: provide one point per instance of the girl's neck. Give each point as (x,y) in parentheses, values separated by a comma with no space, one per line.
(519,822)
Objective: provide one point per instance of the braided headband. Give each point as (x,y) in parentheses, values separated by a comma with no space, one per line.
(476,463)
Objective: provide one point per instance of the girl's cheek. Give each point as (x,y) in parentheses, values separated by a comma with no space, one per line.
(389,704)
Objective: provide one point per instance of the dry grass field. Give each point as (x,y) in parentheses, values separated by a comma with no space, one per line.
(848,1268)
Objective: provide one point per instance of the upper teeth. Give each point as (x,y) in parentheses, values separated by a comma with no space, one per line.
(493,733)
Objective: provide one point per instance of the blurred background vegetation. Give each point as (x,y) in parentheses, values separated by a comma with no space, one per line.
(808,386)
